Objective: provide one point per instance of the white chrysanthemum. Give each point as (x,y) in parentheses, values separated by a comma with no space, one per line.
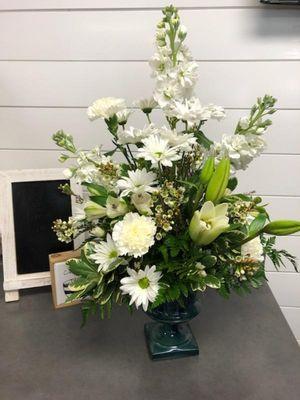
(105,108)
(184,141)
(134,234)
(142,286)
(139,180)
(189,110)
(135,135)
(253,249)
(158,150)
(105,253)
(146,105)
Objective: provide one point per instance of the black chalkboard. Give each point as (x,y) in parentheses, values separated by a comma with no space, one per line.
(36,205)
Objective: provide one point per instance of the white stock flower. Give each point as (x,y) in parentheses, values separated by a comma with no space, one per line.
(184,141)
(167,90)
(135,135)
(139,180)
(134,235)
(105,253)
(142,286)
(253,249)
(158,150)
(241,149)
(244,122)
(185,73)
(105,108)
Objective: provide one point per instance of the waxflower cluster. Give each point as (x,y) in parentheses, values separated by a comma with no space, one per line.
(167,220)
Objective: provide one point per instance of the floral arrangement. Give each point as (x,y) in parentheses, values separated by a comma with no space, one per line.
(167,221)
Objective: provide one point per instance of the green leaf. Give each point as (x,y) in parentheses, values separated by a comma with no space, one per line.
(212,281)
(203,140)
(199,285)
(209,261)
(232,183)
(80,268)
(257,224)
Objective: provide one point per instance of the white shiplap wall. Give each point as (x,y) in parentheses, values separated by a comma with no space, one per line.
(57,56)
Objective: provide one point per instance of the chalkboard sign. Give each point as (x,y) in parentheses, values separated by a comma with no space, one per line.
(29,203)
(36,205)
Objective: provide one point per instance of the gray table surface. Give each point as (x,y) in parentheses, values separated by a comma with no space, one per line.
(247,351)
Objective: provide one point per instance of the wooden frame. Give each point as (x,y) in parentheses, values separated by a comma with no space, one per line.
(12,280)
(60,258)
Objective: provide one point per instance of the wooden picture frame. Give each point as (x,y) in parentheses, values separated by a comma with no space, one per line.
(57,262)
(14,281)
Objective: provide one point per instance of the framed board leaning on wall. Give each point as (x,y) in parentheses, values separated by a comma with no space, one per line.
(30,201)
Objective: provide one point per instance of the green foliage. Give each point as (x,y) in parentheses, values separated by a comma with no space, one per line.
(277,256)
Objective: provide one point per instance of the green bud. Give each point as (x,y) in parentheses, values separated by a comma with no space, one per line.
(282,227)
(94,211)
(207,170)
(65,141)
(219,181)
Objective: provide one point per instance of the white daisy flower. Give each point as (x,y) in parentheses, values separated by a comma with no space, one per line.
(123,116)
(105,253)
(139,180)
(184,141)
(158,150)
(135,135)
(105,108)
(146,105)
(142,286)
(134,234)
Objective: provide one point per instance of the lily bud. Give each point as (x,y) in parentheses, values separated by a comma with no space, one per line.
(219,181)
(282,227)
(208,223)
(115,207)
(98,232)
(94,211)
(142,201)
(207,170)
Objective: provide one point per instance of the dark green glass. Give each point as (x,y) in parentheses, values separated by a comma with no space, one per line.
(170,336)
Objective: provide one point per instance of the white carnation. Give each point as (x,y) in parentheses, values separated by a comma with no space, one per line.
(105,108)
(134,235)
(253,249)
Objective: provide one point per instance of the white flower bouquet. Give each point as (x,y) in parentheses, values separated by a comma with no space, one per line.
(168,221)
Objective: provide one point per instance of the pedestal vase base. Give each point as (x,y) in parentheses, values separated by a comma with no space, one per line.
(166,341)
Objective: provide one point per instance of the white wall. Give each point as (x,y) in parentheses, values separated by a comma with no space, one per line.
(57,56)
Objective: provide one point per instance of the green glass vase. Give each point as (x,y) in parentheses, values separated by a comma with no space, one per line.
(170,336)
